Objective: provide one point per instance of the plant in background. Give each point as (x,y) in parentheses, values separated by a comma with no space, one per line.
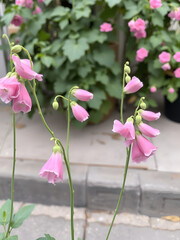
(66,42)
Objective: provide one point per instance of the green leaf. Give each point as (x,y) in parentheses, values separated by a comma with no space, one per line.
(164,9)
(1,236)
(6,208)
(104,56)
(37,66)
(112,3)
(102,77)
(95,116)
(26,13)
(21,215)
(56,45)
(7,18)
(157,19)
(116,69)
(43,36)
(36,24)
(59,11)
(12,238)
(132,9)
(172,96)
(82,12)
(47,61)
(152,102)
(157,64)
(83,70)
(99,96)
(63,23)
(75,49)
(48,237)
(114,88)
(155,41)
(60,87)
(106,107)
(94,36)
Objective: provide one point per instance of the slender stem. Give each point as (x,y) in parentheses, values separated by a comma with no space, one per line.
(5,36)
(73,4)
(138,106)
(68,125)
(71,192)
(122,99)
(13,173)
(121,193)
(61,97)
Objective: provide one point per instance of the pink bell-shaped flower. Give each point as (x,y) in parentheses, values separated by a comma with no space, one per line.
(9,88)
(133,86)
(23,68)
(137,154)
(79,112)
(127,130)
(82,95)
(23,102)
(149,116)
(53,168)
(146,147)
(148,130)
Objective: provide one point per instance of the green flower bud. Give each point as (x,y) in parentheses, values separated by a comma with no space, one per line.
(128,78)
(138,119)
(127,63)
(55,105)
(127,69)
(56,149)
(143,105)
(16,49)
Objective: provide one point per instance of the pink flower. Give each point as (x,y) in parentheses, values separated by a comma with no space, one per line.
(150,116)
(177,73)
(23,68)
(82,95)
(140,25)
(9,88)
(53,168)
(146,147)
(171,15)
(40,1)
(140,34)
(166,67)
(177,56)
(131,25)
(133,86)
(19,2)
(17,20)
(155,3)
(171,90)
(164,57)
(153,89)
(79,112)
(106,27)
(28,3)
(141,54)
(137,154)
(127,130)
(38,10)
(177,14)
(148,130)
(23,102)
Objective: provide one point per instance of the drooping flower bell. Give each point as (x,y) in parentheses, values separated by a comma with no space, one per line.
(9,88)
(82,94)
(53,168)
(149,116)
(133,86)
(137,154)
(23,102)
(146,147)
(147,130)
(23,68)
(79,112)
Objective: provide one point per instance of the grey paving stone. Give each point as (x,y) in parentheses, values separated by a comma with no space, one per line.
(60,229)
(160,193)
(103,191)
(125,232)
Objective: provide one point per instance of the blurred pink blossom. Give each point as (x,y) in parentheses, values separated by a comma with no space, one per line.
(133,85)
(155,3)
(106,27)
(171,90)
(177,73)
(166,67)
(37,10)
(153,89)
(17,20)
(141,54)
(177,56)
(164,57)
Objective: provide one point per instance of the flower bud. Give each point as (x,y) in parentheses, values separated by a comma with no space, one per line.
(138,119)
(127,69)
(56,149)
(55,105)
(128,79)
(16,49)
(143,105)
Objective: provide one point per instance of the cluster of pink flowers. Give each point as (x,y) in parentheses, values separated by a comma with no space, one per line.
(106,27)
(79,112)
(165,57)
(155,3)
(175,14)
(141,54)
(13,89)
(138,27)
(134,129)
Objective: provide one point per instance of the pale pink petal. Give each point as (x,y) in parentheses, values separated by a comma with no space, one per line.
(79,112)
(148,130)
(146,147)
(82,95)
(133,86)
(150,116)
(117,126)
(137,154)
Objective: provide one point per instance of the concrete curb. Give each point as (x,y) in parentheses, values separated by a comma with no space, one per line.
(147,192)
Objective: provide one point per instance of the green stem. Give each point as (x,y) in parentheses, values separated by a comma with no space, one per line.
(121,193)
(5,36)
(61,97)
(122,99)
(13,173)
(138,106)
(71,191)
(73,4)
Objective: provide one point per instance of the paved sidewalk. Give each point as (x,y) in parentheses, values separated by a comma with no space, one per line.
(91,225)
